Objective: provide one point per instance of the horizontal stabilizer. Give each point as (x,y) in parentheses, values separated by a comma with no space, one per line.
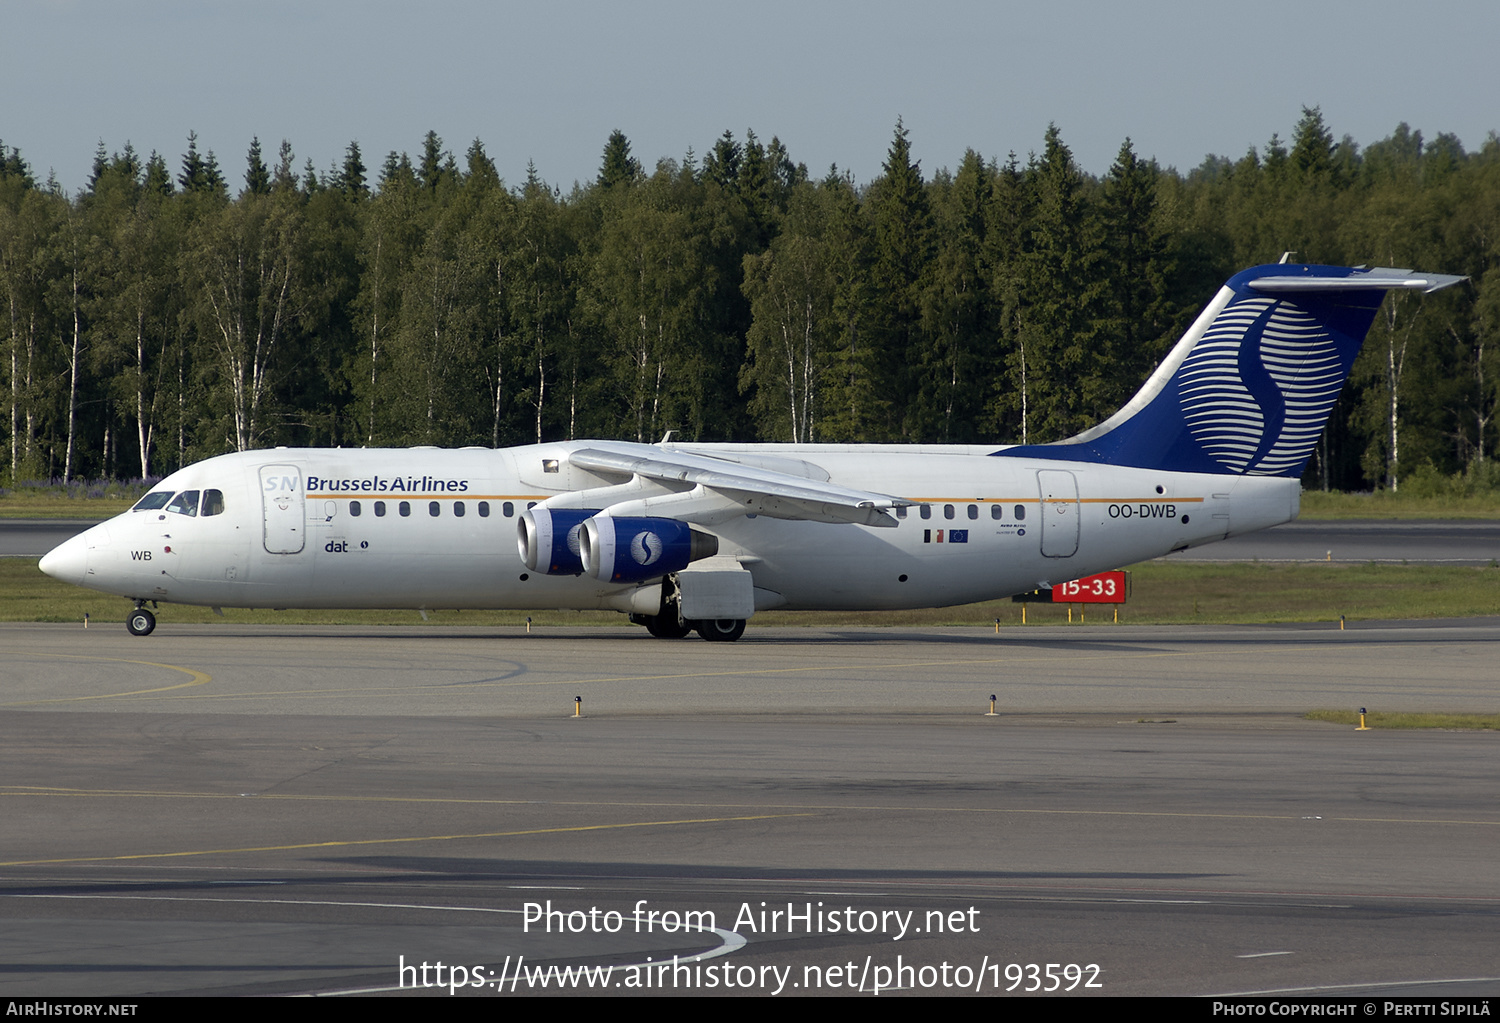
(1380,278)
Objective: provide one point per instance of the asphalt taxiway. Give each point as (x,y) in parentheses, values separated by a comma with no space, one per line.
(31,538)
(1408,541)
(226,809)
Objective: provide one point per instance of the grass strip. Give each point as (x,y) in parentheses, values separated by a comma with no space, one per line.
(1162,593)
(1380,719)
(1382,504)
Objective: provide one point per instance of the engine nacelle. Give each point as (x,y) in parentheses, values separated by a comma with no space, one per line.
(627,550)
(548,539)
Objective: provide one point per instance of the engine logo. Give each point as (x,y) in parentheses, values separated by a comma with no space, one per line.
(645,547)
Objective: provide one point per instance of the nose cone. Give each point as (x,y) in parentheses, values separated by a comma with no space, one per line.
(69,561)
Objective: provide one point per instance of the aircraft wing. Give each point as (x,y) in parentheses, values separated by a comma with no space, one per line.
(761,491)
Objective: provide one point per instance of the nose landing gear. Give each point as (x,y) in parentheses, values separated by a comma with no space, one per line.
(140,621)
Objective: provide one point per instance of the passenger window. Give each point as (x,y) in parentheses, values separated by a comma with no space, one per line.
(213,502)
(1020,513)
(404,508)
(996,512)
(901,513)
(947,511)
(484,509)
(380,509)
(151,502)
(458,509)
(434,509)
(926,511)
(973,511)
(354,508)
(508,509)
(185,503)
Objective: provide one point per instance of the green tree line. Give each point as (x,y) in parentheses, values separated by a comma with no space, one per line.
(156,318)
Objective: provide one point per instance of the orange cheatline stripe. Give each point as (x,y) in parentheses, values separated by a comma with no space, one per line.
(1056,500)
(403,496)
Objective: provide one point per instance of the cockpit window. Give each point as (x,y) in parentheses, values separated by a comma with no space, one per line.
(185,503)
(213,502)
(151,502)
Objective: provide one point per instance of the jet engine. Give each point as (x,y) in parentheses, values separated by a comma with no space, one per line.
(625,550)
(548,539)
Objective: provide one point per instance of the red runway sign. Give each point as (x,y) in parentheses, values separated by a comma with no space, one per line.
(1104,588)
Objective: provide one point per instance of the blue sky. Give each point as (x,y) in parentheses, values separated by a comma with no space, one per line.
(549,81)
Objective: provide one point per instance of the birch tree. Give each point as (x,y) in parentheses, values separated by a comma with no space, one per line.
(790,288)
(246,269)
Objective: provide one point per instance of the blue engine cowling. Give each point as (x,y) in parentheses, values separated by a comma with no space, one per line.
(548,539)
(627,550)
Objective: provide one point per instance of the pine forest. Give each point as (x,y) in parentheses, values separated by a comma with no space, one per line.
(160,315)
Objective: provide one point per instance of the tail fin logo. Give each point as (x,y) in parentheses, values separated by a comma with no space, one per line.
(1249,387)
(1259,385)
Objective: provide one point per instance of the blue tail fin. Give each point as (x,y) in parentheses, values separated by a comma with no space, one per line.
(1248,389)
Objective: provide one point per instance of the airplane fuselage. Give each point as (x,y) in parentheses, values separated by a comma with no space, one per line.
(428,528)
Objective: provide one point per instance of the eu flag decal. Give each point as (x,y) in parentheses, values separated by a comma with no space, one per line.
(958,536)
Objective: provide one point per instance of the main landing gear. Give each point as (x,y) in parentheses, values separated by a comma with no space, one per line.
(140,622)
(668,625)
(725,630)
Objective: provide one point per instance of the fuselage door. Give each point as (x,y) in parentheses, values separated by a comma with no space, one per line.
(283,508)
(1060,517)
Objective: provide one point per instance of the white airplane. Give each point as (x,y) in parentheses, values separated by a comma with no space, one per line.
(698,537)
